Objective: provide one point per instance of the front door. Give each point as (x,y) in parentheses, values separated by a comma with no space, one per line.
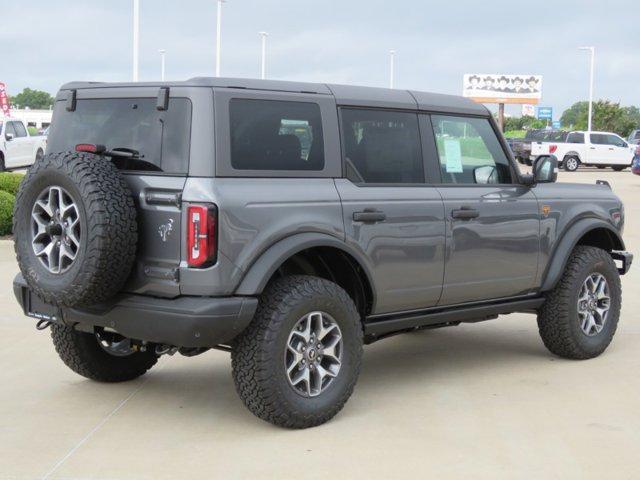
(390,214)
(492,223)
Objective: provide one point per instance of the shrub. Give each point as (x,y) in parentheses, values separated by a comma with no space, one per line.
(6,212)
(9,182)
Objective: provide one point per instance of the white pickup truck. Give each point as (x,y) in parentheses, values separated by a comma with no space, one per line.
(600,149)
(18,149)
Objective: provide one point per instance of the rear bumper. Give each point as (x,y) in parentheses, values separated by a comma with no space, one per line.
(626,258)
(182,321)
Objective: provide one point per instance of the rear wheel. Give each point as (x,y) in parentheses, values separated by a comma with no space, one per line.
(571,163)
(580,315)
(298,361)
(103,356)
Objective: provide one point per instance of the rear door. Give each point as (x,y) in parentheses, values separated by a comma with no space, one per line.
(599,151)
(492,222)
(390,213)
(129,118)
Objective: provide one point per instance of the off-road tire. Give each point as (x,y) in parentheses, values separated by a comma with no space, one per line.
(558,321)
(81,352)
(571,166)
(108,227)
(258,354)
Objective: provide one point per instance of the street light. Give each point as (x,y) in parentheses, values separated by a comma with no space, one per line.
(162,51)
(263,66)
(218,28)
(392,57)
(136,38)
(593,54)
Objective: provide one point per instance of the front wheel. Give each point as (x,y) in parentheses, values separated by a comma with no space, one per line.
(297,363)
(619,168)
(571,164)
(580,315)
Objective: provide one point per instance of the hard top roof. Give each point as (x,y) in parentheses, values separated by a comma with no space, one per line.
(344,94)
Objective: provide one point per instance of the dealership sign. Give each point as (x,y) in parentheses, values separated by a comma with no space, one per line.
(5,108)
(497,88)
(545,113)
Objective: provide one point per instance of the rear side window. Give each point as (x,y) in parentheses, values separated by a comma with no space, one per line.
(275,135)
(575,137)
(598,139)
(161,138)
(382,146)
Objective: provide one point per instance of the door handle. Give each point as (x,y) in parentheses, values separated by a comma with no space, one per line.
(369,215)
(610,148)
(465,213)
(592,148)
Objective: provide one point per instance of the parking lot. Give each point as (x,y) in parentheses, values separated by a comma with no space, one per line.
(478,401)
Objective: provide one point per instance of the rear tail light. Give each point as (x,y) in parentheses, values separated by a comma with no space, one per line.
(553,148)
(201,235)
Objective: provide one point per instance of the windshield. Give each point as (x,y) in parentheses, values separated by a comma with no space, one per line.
(161,137)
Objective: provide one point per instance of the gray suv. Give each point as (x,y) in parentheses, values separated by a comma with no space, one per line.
(292,223)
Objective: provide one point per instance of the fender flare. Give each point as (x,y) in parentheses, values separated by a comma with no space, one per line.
(259,273)
(572,153)
(566,244)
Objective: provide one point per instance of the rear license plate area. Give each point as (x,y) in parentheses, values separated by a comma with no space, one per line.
(35,307)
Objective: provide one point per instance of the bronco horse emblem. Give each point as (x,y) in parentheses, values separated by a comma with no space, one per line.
(165,229)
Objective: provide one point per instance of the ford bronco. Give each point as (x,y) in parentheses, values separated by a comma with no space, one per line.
(292,223)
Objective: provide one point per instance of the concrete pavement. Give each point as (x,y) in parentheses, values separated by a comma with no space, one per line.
(480,401)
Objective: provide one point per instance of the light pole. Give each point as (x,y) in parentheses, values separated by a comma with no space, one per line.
(392,57)
(218,35)
(162,52)
(593,54)
(136,38)
(263,65)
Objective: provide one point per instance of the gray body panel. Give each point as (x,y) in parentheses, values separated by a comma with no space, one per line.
(496,254)
(405,252)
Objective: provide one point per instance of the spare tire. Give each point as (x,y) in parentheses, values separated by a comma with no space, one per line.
(75,229)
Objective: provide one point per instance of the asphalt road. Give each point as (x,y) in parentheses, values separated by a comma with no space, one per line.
(481,401)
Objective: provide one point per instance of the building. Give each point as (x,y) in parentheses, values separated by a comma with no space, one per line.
(32,118)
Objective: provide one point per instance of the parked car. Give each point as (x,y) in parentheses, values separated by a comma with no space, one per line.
(292,223)
(18,149)
(522,147)
(600,149)
(635,164)
(634,137)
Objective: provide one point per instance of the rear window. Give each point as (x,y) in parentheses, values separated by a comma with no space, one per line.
(162,138)
(275,135)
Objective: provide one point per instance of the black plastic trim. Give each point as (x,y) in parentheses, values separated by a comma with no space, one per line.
(384,325)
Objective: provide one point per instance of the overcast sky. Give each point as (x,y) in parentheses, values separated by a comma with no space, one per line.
(46,43)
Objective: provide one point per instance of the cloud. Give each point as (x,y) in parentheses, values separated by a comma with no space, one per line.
(328,41)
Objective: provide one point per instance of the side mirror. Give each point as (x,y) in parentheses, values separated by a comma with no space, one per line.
(485,175)
(545,169)
(8,137)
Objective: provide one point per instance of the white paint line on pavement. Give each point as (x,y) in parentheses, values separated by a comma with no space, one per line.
(97,427)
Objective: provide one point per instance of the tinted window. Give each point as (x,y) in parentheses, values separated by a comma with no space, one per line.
(162,138)
(275,135)
(614,140)
(382,146)
(637,135)
(10,129)
(469,151)
(575,138)
(598,139)
(20,130)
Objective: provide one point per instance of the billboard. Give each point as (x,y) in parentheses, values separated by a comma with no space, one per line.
(528,110)
(5,108)
(497,88)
